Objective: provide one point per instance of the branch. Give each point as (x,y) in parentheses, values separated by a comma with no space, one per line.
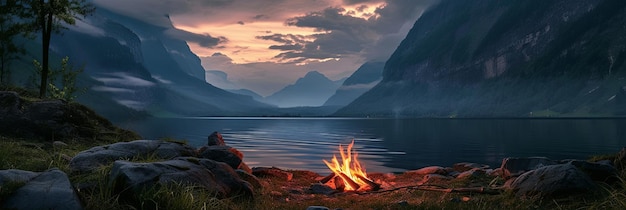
(437,188)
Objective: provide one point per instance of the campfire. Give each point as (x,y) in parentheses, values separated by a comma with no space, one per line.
(348,174)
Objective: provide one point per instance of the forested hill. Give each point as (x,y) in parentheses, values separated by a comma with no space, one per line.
(506,58)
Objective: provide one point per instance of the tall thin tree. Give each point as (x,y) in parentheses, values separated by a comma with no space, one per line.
(50,16)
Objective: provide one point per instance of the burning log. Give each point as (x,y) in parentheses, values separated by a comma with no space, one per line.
(350,182)
(328,178)
(339,184)
(375,186)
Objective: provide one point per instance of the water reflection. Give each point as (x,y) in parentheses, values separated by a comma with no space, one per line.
(395,145)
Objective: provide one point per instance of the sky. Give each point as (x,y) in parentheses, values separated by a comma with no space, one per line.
(265,45)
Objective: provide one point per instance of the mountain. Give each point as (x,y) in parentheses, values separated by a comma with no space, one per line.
(506,58)
(247,92)
(311,90)
(132,64)
(363,79)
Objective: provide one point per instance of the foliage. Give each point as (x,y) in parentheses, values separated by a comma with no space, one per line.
(10,28)
(62,82)
(49,16)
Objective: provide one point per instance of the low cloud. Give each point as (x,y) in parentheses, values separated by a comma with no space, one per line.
(204,40)
(124,79)
(360,86)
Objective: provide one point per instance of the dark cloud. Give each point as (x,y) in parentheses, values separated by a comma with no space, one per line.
(286,47)
(240,22)
(260,17)
(204,40)
(353,2)
(284,38)
(341,33)
(397,12)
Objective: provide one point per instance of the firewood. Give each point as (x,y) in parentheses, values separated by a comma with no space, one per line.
(375,186)
(350,182)
(339,185)
(327,178)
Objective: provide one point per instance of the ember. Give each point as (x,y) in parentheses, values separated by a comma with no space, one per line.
(349,172)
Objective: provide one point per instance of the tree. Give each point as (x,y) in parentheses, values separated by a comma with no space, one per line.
(10,26)
(49,16)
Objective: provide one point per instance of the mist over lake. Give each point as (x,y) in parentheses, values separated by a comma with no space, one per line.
(394,145)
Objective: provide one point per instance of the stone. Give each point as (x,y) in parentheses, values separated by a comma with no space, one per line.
(620,160)
(50,189)
(248,177)
(130,178)
(215,139)
(512,167)
(552,181)
(471,173)
(430,178)
(596,171)
(15,175)
(226,154)
(465,166)
(59,144)
(429,170)
(170,150)
(402,203)
(10,103)
(96,157)
(494,172)
(245,167)
(319,188)
(272,172)
(317,208)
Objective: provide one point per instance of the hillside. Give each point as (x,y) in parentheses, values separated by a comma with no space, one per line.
(363,79)
(130,66)
(491,58)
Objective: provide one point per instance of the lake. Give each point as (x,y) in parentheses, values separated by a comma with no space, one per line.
(394,145)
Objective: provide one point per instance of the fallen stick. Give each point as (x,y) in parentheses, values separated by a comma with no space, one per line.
(481,190)
(459,190)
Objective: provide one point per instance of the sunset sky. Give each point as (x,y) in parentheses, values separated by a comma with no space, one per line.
(264,45)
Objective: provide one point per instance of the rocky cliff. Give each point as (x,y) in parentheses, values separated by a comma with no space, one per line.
(491,58)
(133,65)
(363,79)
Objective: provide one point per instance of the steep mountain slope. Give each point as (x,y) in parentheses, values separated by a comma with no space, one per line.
(311,90)
(494,58)
(363,79)
(139,66)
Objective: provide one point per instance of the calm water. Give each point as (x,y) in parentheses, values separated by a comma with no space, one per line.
(394,145)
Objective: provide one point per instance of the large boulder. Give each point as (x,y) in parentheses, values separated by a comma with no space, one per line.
(226,154)
(597,171)
(552,181)
(129,178)
(512,167)
(48,190)
(96,157)
(16,176)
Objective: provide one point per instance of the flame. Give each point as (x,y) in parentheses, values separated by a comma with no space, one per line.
(349,166)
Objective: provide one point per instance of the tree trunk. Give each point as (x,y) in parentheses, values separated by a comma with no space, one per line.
(46,33)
